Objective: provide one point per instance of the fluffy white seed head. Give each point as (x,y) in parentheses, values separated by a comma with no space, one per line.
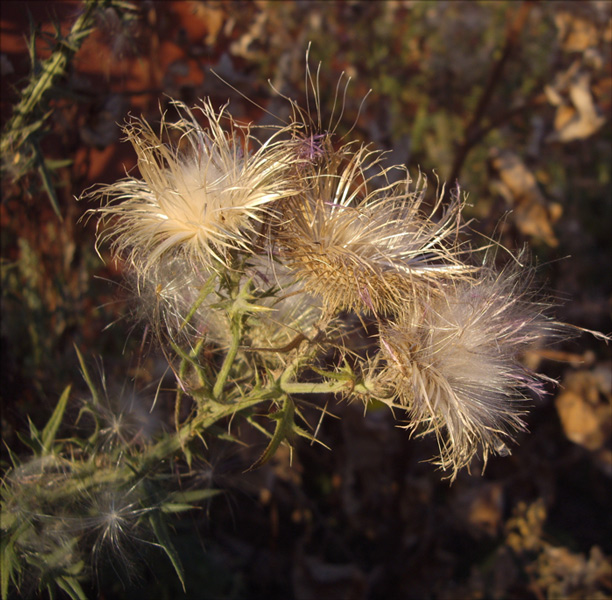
(199,196)
(455,365)
(179,301)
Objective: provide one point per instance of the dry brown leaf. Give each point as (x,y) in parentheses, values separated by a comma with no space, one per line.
(560,573)
(524,529)
(533,215)
(481,508)
(242,46)
(213,14)
(575,33)
(581,118)
(584,408)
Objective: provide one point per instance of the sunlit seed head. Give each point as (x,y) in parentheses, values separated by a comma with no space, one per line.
(455,365)
(198,198)
(363,249)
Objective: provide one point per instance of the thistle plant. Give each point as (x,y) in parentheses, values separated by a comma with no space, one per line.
(251,260)
(263,253)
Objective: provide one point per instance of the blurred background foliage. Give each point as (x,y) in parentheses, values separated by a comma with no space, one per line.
(511,99)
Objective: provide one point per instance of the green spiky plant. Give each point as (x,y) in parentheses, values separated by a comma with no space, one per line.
(29,124)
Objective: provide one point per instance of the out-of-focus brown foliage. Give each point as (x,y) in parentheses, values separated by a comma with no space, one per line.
(513,99)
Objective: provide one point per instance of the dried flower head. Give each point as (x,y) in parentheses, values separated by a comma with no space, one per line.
(293,315)
(197,199)
(179,300)
(367,250)
(45,543)
(115,520)
(123,418)
(454,365)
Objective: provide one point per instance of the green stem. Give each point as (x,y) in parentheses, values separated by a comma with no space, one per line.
(323,387)
(52,68)
(92,476)
(237,312)
(228,361)
(172,444)
(206,290)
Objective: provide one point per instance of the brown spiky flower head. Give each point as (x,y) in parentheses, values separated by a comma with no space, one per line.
(364,247)
(454,365)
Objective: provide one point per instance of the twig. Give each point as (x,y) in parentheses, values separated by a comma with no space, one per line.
(473,133)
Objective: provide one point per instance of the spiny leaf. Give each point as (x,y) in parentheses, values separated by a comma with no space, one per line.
(284,428)
(34,441)
(12,456)
(8,558)
(45,177)
(303,433)
(87,377)
(53,164)
(190,359)
(163,538)
(182,501)
(72,587)
(193,495)
(344,374)
(50,430)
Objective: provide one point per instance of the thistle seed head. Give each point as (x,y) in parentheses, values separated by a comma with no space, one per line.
(115,520)
(367,250)
(170,297)
(455,365)
(197,199)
